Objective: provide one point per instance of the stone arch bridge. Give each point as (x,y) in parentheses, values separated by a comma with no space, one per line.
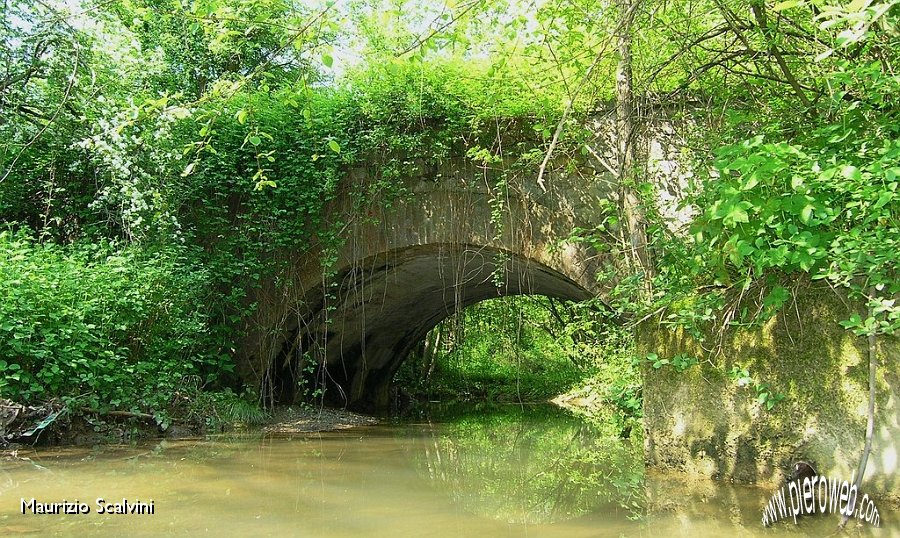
(452,239)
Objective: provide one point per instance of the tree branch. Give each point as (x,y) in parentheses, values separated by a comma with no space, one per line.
(568,110)
(759,12)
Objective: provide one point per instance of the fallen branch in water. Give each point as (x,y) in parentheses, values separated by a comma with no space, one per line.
(123,414)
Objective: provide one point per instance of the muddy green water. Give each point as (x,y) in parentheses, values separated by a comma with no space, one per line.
(508,471)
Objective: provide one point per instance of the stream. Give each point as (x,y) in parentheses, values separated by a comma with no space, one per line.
(473,471)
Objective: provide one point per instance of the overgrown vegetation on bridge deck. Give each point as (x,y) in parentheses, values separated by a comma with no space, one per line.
(156,155)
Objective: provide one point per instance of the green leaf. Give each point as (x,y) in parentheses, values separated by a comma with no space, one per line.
(883,199)
(851,172)
(854,321)
(806,214)
(735,214)
(255,140)
(787,4)
(188,169)
(334,146)
(241,116)
(751,182)
(777,297)
(327,60)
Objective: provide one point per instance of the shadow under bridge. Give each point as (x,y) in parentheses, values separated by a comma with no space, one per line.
(357,332)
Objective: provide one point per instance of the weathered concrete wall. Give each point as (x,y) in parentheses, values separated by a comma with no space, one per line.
(701,422)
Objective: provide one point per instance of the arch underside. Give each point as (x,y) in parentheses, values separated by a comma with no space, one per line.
(365,326)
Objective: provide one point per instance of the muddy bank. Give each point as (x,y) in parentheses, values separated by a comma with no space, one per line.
(53,424)
(319,419)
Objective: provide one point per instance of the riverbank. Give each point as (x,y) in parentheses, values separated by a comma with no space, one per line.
(53,424)
(318,419)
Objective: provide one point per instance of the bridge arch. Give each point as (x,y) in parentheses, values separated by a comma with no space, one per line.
(447,213)
(387,304)
(461,233)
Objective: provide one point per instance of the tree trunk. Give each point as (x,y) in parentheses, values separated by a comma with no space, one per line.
(431,351)
(635,225)
(870,420)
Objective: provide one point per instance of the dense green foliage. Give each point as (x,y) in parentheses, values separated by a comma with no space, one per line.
(108,326)
(508,349)
(530,349)
(813,191)
(158,157)
(70,316)
(180,168)
(822,202)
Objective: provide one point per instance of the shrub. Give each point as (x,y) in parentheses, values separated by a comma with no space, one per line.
(114,327)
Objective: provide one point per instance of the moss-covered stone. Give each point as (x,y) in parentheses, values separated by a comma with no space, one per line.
(702,422)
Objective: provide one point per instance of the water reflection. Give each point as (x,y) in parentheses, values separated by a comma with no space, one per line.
(500,472)
(531,464)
